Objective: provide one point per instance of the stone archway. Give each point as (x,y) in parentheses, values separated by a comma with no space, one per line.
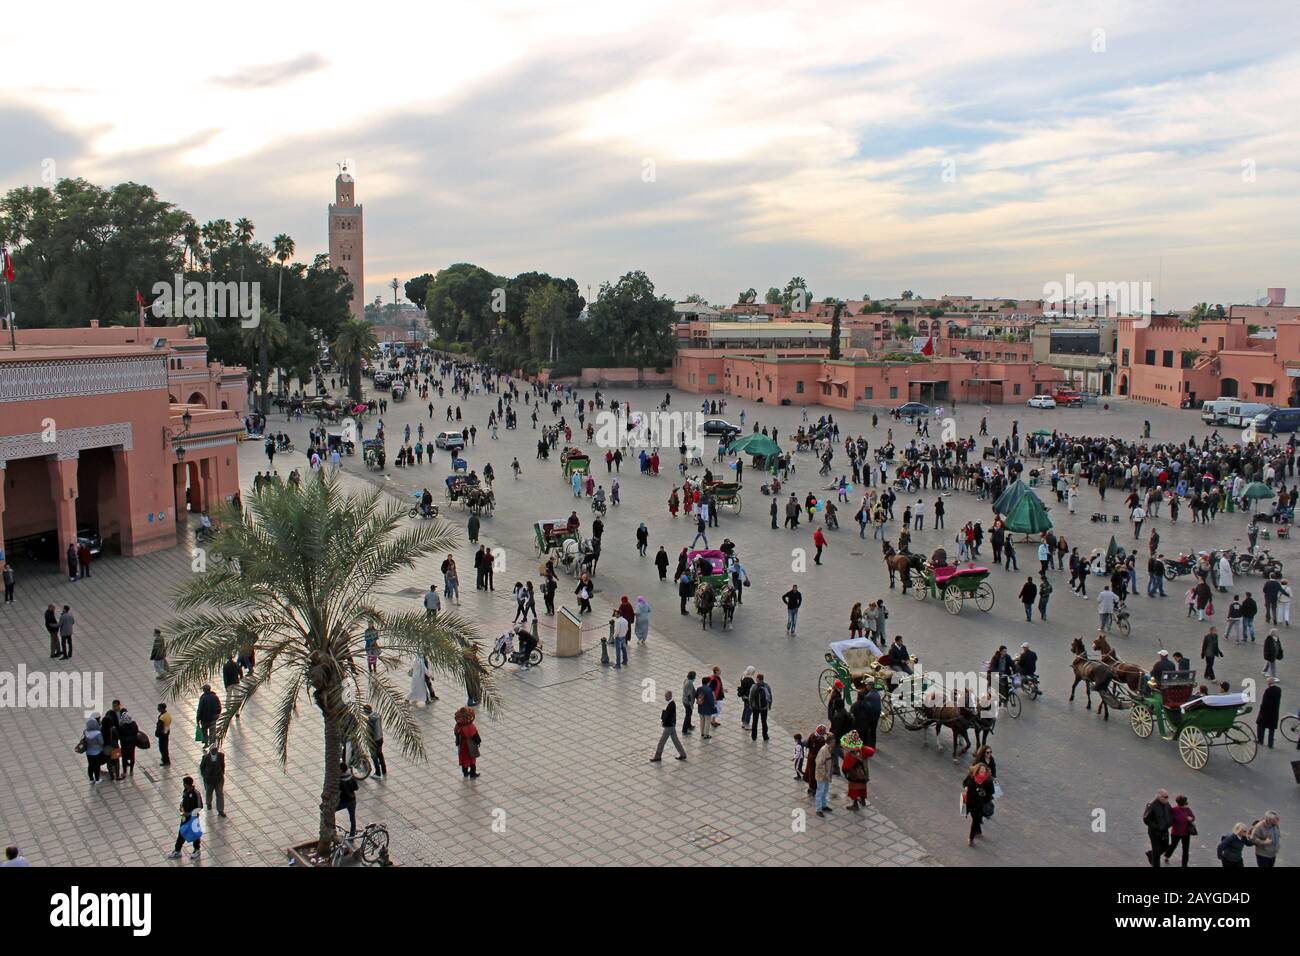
(1123,385)
(197,398)
(1228,387)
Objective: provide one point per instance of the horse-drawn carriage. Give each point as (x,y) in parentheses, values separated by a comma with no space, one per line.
(807,439)
(955,585)
(858,661)
(479,500)
(373,453)
(1199,723)
(551,533)
(713,586)
(459,486)
(725,493)
(573,460)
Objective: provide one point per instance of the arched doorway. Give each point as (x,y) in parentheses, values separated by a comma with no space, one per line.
(1123,384)
(198,398)
(1228,388)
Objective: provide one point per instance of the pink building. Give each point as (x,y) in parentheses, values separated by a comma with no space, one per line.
(92,437)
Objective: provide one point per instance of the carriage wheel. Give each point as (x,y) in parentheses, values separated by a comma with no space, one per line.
(1141,720)
(886,715)
(952,599)
(1290,728)
(1193,747)
(984,596)
(1242,745)
(920,589)
(912,718)
(826,684)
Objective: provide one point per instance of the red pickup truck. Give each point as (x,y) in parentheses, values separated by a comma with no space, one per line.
(1068,397)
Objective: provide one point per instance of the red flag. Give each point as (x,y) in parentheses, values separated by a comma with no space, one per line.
(139,299)
(928,348)
(8,266)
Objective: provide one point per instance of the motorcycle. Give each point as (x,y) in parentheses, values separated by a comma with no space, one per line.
(417,512)
(1176,567)
(599,507)
(1261,562)
(504,651)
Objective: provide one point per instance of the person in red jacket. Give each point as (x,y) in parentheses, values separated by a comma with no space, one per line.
(819,542)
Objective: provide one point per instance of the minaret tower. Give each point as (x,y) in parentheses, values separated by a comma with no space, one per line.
(346,236)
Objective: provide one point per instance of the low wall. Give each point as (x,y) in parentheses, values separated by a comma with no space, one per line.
(625,378)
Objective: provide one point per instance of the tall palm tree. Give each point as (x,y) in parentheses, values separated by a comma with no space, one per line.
(283,247)
(300,570)
(355,340)
(192,238)
(264,338)
(244,231)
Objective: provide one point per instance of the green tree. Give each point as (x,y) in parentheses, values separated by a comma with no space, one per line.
(244,231)
(773,296)
(796,297)
(835,330)
(284,247)
(747,297)
(632,324)
(460,301)
(301,572)
(908,294)
(265,339)
(548,316)
(417,289)
(355,340)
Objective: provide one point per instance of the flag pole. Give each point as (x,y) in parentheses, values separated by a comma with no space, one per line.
(6,270)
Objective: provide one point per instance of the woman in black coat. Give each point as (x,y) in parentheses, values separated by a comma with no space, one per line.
(979,793)
(1270,710)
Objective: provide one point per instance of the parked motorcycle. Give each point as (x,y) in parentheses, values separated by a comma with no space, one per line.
(1261,562)
(1176,567)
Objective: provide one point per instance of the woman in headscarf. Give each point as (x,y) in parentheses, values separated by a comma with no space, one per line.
(854,768)
(467,743)
(642,627)
(627,612)
(93,740)
(419,692)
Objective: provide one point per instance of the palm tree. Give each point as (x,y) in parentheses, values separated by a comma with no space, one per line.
(192,238)
(300,570)
(244,231)
(283,247)
(263,338)
(355,340)
(395,286)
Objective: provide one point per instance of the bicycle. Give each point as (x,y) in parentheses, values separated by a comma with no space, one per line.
(359,763)
(372,851)
(1290,727)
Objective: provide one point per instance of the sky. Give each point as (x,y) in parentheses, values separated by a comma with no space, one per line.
(948,148)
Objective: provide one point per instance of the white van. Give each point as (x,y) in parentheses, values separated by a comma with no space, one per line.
(1212,411)
(1243,413)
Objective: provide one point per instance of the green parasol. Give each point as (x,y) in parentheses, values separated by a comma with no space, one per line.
(1112,549)
(1010,497)
(755,443)
(1027,516)
(1043,433)
(1257,489)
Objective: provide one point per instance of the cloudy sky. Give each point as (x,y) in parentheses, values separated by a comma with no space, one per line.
(981,148)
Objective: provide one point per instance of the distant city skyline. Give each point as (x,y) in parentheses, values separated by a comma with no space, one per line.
(717,146)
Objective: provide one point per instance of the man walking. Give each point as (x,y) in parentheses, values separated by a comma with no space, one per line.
(212,768)
(9,584)
(819,542)
(668,720)
(688,701)
(793,600)
(52,628)
(1158,819)
(760,702)
(209,709)
(1029,594)
(432,603)
(706,704)
(1209,651)
(1106,602)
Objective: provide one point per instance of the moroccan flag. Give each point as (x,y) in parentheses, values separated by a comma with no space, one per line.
(139,299)
(7,265)
(928,348)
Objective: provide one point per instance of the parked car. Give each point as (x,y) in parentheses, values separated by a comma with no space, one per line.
(452,441)
(44,546)
(1042,401)
(719,426)
(913,409)
(1068,397)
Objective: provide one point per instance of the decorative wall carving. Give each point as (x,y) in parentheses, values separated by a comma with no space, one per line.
(69,442)
(70,378)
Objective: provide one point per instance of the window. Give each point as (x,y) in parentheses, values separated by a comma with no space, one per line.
(893,391)
(868,392)
(1123,358)
(1167,358)
(1263,391)
(713,379)
(1015,389)
(798,388)
(1150,357)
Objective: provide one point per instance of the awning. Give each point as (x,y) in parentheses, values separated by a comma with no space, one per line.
(926,381)
(984,381)
(825,380)
(839,381)
(1261,381)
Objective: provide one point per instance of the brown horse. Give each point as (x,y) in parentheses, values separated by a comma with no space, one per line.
(903,565)
(959,720)
(1130,675)
(1094,675)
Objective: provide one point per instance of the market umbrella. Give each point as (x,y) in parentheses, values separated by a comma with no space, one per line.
(755,443)
(1257,489)
(1112,549)
(1008,499)
(1027,516)
(1043,433)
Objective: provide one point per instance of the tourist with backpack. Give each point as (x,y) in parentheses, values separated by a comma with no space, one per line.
(760,702)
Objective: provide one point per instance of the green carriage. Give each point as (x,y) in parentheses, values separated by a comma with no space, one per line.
(552,533)
(955,586)
(725,493)
(1198,723)
(574,461)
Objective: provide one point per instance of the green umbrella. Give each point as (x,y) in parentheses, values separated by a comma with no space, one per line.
(1027,516)
(1043,433)
(1112,549)
(1257,489)
(1009,498)
(755,443)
